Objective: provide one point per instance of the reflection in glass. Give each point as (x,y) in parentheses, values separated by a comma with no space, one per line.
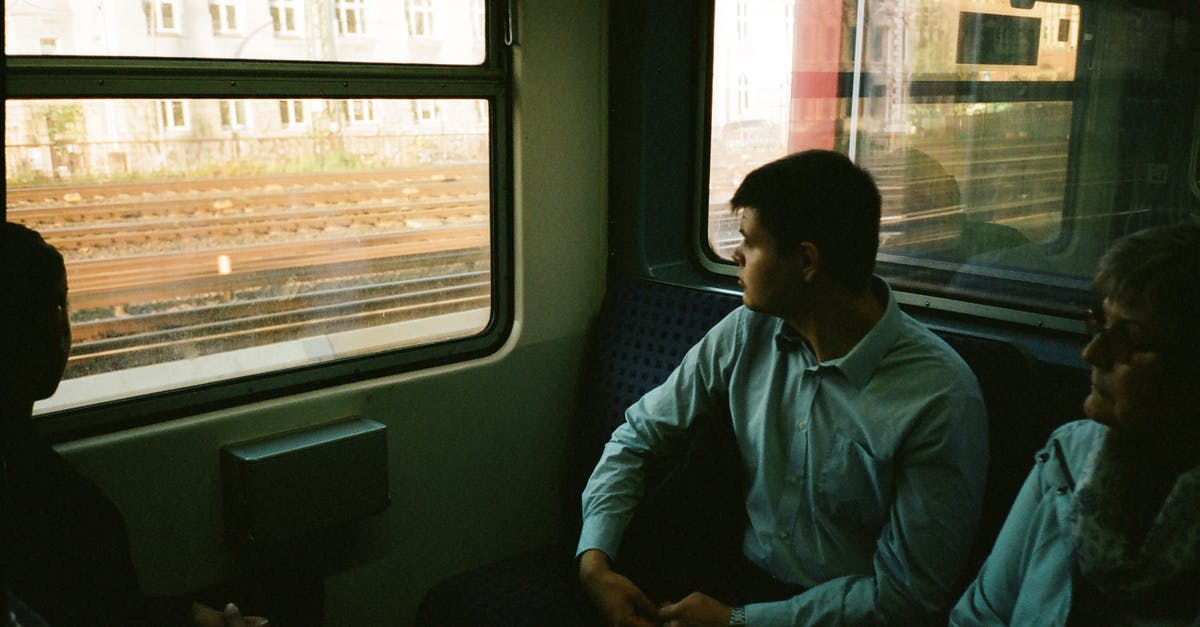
(943,116)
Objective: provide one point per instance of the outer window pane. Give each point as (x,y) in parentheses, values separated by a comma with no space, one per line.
(963,110)
(214,254)
(389,31)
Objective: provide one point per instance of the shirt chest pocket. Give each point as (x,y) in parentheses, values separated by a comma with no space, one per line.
(855,488)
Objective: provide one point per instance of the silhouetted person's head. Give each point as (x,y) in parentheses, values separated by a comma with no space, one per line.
(35,333)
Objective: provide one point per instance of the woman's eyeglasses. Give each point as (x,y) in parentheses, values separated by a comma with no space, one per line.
(1116,339)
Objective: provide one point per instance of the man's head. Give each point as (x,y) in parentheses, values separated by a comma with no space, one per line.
(35,334)
(820,197)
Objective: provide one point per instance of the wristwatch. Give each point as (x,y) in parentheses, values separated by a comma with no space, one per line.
(737,616)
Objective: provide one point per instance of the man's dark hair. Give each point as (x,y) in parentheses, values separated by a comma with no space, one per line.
(1156,269)
(818,196)
(32,275)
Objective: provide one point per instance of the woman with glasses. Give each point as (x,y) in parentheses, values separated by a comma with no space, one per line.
(1106,529)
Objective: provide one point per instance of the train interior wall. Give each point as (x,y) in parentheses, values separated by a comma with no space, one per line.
(602,144)
(474,447)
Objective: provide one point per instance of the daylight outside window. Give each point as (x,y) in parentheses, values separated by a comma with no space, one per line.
(213,239)
(451,32)
(961,110)
(261,234)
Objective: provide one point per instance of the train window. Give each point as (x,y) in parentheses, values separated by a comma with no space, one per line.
(232,235)
(1011,141)
(303,30)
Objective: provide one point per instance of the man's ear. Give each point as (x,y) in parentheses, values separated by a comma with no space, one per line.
(810,257)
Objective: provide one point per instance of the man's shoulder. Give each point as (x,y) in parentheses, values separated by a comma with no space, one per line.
(918,347)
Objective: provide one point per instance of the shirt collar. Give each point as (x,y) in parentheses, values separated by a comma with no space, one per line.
(858,364)
(787,339)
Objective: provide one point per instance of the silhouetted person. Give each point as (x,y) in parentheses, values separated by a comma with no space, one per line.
(65,546)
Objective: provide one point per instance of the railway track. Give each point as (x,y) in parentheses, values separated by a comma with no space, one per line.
(93,192)
(148,339)
(167,270)
(287,223)
(163,277)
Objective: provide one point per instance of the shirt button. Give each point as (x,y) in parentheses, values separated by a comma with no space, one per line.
(800,425)
(1062,490)
(792,479)
(1042,457)
(782,535)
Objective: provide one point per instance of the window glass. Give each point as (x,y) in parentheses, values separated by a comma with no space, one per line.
(211,239)
(393,31)
(1010,145)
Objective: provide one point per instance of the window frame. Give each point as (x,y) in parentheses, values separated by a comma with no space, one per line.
(156,14)
(293,114)
(279,11)
(174,116)
(163,79)
(351,13)
(419,15)
(236,111)
(226,11)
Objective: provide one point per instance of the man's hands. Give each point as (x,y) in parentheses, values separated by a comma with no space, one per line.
(695,610)
(205,616)
(623,604)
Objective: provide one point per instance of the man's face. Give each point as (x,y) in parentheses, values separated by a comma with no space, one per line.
(772,283)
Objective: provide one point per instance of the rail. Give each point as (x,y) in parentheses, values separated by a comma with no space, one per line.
(174,269)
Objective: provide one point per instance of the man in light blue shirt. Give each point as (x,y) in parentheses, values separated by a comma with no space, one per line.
(862,435)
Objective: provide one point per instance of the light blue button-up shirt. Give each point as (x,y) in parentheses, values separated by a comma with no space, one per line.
(865,472)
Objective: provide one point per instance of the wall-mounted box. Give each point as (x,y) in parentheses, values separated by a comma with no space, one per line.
(284,486)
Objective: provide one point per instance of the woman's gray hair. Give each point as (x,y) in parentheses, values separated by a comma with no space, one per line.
(1157,269)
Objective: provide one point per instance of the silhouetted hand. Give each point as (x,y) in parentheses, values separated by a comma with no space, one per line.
(205,616)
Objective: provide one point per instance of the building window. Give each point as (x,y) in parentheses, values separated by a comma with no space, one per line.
(479,20)
(224,16)
(350,17)
(161,16)
(359,111)
(173,115)
(291,113)
(420,17)
(233,114)
(743,94)
(876,44)
(743,20)
(425,111)
(283,17)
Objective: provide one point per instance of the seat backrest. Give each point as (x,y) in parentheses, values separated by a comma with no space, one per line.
(641,335)
(1017,425)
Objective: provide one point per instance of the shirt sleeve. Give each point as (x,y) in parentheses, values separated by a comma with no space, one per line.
(990,597)
(922,549)
(616,485)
